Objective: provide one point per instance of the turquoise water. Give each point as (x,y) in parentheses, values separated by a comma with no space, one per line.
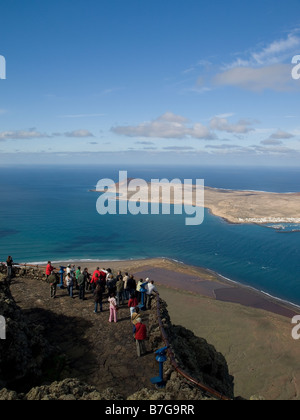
(49,213)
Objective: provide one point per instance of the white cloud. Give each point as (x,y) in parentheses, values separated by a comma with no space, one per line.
(22,135)
(226,115)
(268,67)
(79,134)
(276,138)
(275,150)
(222,124)
(168,126)
(179,148)
(222,147)
(271,142)
(276,77)
(172,118)
(278,51)
(282,135)
(145,143)
(252,151)
(82,115)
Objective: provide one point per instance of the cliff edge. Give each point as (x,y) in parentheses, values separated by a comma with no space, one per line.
(26,353)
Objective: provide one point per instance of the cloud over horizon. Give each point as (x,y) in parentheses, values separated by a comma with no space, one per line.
(167,126)
(79,134)
(276,138)
(22,134)
(171,126)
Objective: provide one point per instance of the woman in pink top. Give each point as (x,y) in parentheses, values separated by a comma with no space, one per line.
(113,308)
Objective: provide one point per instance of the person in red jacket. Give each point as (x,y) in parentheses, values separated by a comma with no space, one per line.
(49,269)
(132,304)
(95,280)
(140,337)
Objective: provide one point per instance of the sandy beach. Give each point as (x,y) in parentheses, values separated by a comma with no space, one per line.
(252,330)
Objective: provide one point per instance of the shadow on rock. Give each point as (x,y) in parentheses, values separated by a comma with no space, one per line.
(73,355)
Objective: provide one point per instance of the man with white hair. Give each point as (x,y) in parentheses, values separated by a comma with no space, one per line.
(140,337)
(150,293)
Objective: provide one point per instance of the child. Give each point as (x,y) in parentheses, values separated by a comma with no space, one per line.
(132,304)
(113,308)
(140,336)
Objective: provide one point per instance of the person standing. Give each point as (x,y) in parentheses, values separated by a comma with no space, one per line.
(53,280)
(95,279)
(9,264)
(151,292)
(98,298)
(131,285)
(81,279)
(70,284)
(110,282)
(77,274)
(71,271)
(119,276)
(49,269)
(132,303)
(113,309)
(140,337)
(134,320)
(120,290)
(125,280)
(138,290)
(87,280)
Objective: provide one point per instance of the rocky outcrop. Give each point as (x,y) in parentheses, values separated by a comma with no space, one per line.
(71,389)
(193,354)
(23,352)
(68,389)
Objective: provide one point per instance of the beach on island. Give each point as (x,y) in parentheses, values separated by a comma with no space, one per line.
(251,329)
(253,206)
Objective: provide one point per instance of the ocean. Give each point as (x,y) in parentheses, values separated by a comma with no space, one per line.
(49,213)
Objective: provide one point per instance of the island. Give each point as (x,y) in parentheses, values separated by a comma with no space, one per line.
(237,207)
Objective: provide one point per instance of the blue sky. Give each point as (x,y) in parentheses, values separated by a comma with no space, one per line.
(169,81)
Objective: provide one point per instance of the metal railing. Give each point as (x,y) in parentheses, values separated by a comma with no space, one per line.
(178,369)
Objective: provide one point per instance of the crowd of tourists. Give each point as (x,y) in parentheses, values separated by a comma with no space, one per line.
(117,290)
